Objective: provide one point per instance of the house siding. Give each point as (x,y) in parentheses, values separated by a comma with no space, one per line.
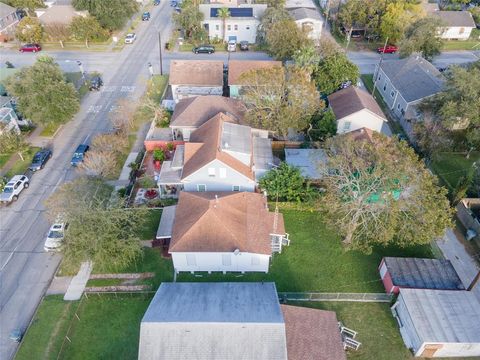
(246,29)
(456,33)
(407,328)
(220,261)
(358,120)
(8,24)
(185,91)
(217,183)
(315,27)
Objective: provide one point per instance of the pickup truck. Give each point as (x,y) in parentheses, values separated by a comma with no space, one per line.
(13,188)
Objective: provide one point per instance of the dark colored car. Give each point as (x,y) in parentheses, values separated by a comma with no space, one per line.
(96,83)
(30,48)
(244,45)
(146,16)
(178,9)
(40,159)
(204,49)
(79,154)
(156,2)
(389,49)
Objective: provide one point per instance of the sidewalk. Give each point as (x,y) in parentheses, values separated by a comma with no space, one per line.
(78,283)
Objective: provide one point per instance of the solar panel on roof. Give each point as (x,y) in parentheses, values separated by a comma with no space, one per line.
(234,12)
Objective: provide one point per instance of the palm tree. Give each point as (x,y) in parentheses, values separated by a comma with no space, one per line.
(223,14)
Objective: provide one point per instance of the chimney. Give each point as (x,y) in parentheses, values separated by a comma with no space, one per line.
(474,281)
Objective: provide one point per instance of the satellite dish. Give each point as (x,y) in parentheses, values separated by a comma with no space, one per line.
(236,252)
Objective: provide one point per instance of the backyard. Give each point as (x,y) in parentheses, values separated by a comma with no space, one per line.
(450,167)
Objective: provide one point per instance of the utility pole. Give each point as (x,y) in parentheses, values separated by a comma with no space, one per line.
(160,50)
(375,73)
(327,11)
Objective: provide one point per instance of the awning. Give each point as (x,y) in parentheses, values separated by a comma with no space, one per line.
(166,222)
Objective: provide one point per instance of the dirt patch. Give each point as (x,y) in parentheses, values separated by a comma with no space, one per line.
(55,331)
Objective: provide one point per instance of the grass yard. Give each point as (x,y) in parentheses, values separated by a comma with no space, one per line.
(376,327)
(50,130)
(21,166)
(450,167)
(4,158)
(473,43)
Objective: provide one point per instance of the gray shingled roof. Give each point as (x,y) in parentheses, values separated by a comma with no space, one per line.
(444,315)
(304,13)
(214,321)
(456,18)
(414,77)
(423,273)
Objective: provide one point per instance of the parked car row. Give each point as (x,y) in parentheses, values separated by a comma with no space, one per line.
(231,46)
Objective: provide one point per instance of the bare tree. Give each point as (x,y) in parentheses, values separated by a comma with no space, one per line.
(99,163)
(12,142)
(57,32)
(110,142)
(123,116)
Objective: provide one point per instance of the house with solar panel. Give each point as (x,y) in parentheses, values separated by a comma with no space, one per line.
(241,25)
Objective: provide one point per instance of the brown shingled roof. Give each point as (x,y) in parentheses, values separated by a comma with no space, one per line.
(222,222)
(361,134)
(196,72)
(204,147)
(352,99)
(195,111)
(312,334)
(237,68)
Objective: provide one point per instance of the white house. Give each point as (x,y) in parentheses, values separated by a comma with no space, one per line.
(9,19)
(439,323)
(458,25)
(223,231)
(191,113)
(220,156)
(309,20)
(355,108)
(234,321)
(8,120)
(241,25)
(295,4)
(405,83)
(195,77)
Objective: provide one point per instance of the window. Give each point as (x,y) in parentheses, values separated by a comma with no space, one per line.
(392,94)
(191,261)
(201,188)
(385,87)
(229,27)
(211,172)
(462,30)
(247,27)
(235,27)
(379,77)
(398,106)
(403,112)
(236,188)
(223,173)
(346,125)
(217,27)
(226,260)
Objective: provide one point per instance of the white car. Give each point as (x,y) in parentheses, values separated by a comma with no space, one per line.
(232,45)
(130,38)
(13,188)
(55,237)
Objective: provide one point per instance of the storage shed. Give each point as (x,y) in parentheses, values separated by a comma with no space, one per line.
(398,272)
(439,323)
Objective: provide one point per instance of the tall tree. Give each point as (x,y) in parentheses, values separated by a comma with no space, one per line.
(307,57)
(190,20)
(28,5)
(29,30)
(422,36)
(398,16)
(224,14)
(333,71)
(42,93)
(57,32)
(100,229)
(277,100)
(271,16)
(12,142)
(87,29)
(380,193)
(111,14)
(285,38)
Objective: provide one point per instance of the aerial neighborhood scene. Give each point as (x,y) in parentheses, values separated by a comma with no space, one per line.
(239,179)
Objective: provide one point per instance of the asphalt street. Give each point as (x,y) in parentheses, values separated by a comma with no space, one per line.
(25,269)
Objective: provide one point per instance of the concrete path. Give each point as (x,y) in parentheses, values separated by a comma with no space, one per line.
(465,266)
(59,285)
(78,283)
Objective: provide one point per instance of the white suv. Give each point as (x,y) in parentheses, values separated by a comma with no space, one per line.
(13,188)
(55,237)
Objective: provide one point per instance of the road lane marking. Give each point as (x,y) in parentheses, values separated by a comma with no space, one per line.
(94,109)
(9,258)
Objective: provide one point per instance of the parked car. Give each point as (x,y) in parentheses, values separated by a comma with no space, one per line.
(244,45)
(40,159)
(156,2)
(30,48)
(204,49)
(146,16)
(79,154)
(96,83)
(389,49)
(232,45)
(178,9)
(14,187)
(55,236)
(130,38)
(173,3)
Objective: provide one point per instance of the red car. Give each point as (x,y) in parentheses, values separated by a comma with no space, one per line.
(30,48)
(389,49)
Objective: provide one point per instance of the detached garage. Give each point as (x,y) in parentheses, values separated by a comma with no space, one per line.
(439,323)
(417,273)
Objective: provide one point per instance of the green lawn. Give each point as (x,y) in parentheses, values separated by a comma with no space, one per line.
(4,158)
(21,166)
(50,130)
(471,44)
(376,327)
(450,167)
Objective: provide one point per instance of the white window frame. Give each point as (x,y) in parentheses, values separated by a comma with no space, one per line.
(235,27)
(222,173)
(211,172)
(347,125)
